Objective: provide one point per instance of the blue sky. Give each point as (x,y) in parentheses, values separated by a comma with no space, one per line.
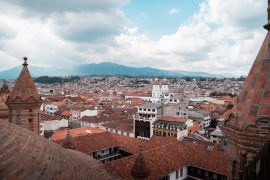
(159,17)
(213,36)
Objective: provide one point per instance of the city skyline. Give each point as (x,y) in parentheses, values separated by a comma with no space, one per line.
(210,35)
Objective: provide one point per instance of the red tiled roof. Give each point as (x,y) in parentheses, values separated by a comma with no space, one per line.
(172,118)
(165,159)
(59,135)
(60,103)
(94,142)
(119,125)
(65,113)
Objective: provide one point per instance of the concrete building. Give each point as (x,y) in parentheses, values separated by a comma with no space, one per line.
(144,119)
(170,126)
(176,105)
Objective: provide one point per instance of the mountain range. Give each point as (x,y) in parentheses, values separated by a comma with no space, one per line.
(105,69)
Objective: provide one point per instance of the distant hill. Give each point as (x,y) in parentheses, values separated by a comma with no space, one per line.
(35,72)
(108,68)
(105,69)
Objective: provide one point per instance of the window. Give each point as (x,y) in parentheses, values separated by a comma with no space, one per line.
(177,174)
(149,109)
(165,178)
(30,120)
(181,172)
(153,110)
(214,176)
(177,113)
(140,109)
(164,134)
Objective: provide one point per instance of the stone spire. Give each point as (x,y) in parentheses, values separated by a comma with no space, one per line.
(247,129)
(68,142)
(24,87)
(253,102)
(140,170)
(24,102)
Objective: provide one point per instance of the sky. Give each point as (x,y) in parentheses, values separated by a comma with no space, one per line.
(214,36)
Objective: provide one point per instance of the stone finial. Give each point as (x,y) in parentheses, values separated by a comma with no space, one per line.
(140,170)
(267,26)
(25,61)
(68,142)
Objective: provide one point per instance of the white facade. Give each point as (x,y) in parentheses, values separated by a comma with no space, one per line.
(159,92)
(182,133)
(89,124)
(116,131)
(206,121)
(179,174)
(52,125)
(88,112)
(50,109)
(145,98)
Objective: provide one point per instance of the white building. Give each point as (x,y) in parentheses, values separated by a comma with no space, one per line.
(89,112)
(52,125)
(160,92)
(50,109)
(179,174)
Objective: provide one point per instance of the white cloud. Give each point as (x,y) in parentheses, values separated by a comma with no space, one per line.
(222,37)
(174,11)
(209,41)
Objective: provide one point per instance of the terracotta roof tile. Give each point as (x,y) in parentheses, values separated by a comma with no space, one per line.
(26,155)
(59,135)
(173,118)
(167,158)
(255,95)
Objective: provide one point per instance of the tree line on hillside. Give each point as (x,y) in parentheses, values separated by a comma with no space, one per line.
(55,79)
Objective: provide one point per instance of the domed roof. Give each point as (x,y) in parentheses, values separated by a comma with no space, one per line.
(26,155)
(24,87)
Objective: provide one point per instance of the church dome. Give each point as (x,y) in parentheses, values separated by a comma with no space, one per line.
(26,155)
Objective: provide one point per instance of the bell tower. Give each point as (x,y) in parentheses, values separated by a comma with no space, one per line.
(24,101)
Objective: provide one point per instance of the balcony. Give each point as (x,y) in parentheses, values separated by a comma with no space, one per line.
(140,118)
